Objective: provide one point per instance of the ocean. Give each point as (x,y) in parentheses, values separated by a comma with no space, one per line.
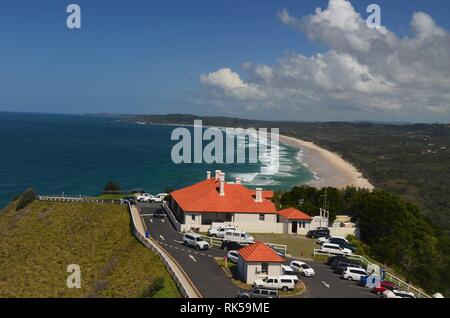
(78,155)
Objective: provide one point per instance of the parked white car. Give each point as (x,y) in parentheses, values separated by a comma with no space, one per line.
(275,282)
(302,268)
(354,273)
(335,249)
(323,240)
(159,198)
(195,240)
(289,273)
(403,293)
(233,256)
(238,236)
(397,294)
(219,231)
(145,197)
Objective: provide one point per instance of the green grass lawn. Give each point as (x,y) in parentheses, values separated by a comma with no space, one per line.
(110,196)
(40,241)
(297,245)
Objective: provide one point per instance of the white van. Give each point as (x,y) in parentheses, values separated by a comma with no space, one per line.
(238,236)
(219,231)
(275,282)
(335,249)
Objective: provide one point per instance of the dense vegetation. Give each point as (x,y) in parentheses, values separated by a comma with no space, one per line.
(411,160)
(26,198)
(112,186)
(393,231)
(39,241)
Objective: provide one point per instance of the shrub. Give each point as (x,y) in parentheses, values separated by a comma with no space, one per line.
(155,286)
(26,198)
(112,186)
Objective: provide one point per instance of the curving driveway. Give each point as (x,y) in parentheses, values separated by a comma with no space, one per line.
(200,266)
(211,281)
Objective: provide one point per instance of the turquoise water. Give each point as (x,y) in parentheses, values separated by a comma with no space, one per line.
(78,155)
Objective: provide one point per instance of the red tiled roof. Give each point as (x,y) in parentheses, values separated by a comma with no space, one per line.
(203,197)
(294,214)
(260,252)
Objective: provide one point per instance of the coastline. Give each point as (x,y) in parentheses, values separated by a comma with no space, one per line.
(329,168)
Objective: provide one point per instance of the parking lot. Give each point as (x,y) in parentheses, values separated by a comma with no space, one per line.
(211,280)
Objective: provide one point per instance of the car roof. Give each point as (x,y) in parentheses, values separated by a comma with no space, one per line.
(298,262)
(331,244)
(193,234)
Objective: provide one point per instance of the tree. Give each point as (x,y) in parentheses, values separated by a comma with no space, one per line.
(26,198)
(111,186)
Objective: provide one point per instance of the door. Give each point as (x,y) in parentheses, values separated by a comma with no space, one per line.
(294,227)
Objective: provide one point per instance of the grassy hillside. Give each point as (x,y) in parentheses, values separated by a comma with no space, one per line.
(38,242)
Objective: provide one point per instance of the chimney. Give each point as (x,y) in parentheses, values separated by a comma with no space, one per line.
(258,196)
(217,174)
(208,175)
(238,180)
(222,184)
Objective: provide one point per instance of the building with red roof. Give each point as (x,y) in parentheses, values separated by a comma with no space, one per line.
(258,260)
(295,221)
(213,200)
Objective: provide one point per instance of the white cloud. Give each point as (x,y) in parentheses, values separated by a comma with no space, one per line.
(369,71)
(231,84)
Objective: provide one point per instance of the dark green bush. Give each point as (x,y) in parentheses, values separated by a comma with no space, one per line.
(112,186)
(26,198)
(155,286)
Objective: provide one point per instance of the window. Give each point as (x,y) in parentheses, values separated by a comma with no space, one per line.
(264,292)
(264,268)
(257,292)
(193,217)
(262,217)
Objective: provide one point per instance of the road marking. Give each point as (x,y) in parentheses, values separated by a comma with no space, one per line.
(326,285)
(162,220)
(170,246)
(151,221)
(179,242)
(181,249)
(203,254)
(162,237)
(176,247)
(196,252)
(210,256)
(192,258)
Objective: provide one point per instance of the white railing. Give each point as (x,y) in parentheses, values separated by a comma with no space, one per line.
(182,280)
(77,200)
(387,276)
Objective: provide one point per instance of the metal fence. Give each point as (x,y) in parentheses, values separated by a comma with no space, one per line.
(387,276)
(181,279)
(77,200)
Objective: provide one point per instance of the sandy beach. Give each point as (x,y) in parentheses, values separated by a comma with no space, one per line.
(330,169)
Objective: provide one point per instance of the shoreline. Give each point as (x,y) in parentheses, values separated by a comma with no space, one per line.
(329,168)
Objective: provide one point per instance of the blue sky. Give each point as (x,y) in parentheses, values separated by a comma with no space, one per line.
(147,56)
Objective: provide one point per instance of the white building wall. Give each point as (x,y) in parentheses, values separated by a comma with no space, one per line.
(250,222)
(252,271)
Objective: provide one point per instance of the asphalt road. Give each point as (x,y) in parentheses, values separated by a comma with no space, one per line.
(328,285)
(200,266)
(211,280)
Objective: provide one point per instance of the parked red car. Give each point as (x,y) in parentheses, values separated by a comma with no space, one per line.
(383,287)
